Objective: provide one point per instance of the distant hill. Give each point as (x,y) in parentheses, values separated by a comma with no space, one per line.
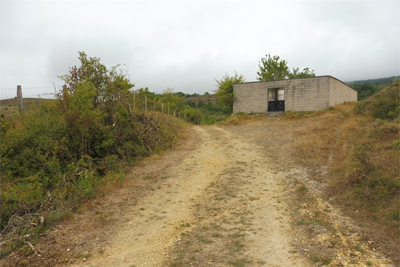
(374,81)
(367,88)
(205,98)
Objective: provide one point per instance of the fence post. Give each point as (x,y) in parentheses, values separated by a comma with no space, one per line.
(155,102)
(134,99)
(162,108)
(145,103)
(19,97)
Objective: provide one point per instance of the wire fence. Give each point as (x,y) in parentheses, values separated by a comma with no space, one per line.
(46,94)
(140,103)
(28,88)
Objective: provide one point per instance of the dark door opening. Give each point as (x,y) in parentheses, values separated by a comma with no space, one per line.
(276,99)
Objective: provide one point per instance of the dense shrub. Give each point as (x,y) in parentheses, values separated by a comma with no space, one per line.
(54,156)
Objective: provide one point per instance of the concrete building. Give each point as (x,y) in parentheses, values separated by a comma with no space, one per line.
(300,94)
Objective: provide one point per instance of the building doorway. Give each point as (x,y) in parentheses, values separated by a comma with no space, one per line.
(276,99)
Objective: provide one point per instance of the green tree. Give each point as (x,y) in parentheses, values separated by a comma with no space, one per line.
(174,100)
(89,101)
(145,92)
(301,74)
(272,68)
(194,115)
(224,89)
(181,94)
(365,90)
(106,86)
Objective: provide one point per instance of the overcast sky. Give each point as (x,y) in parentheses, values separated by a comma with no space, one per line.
(186,45)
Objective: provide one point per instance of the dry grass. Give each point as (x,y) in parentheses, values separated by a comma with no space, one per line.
(360,157)
(242,118)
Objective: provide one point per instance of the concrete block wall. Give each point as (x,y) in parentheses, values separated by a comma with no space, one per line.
(303,94)
(250,97)
(307,94)
(339,93)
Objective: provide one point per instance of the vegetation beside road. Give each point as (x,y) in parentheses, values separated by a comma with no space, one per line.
(57,155)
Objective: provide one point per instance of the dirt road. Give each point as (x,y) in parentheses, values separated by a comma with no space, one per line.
(223,204)
(228,197)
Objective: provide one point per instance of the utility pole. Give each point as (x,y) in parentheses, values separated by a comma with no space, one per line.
(19,97)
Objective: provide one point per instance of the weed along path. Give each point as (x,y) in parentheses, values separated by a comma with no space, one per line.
(223,204)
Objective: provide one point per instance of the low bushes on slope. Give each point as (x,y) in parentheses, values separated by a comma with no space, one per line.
(55,156)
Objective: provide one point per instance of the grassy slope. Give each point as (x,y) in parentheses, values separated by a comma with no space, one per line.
(362,153)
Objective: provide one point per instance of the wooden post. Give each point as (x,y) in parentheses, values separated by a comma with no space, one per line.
(155,103)
(19,97)
(145,103)
(162,108)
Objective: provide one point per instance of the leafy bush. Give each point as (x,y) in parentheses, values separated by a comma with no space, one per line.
(225,89)
(54,156)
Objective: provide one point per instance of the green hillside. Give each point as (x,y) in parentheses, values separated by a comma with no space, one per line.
(367,88)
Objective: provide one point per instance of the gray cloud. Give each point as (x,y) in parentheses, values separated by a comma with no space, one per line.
(186,45)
